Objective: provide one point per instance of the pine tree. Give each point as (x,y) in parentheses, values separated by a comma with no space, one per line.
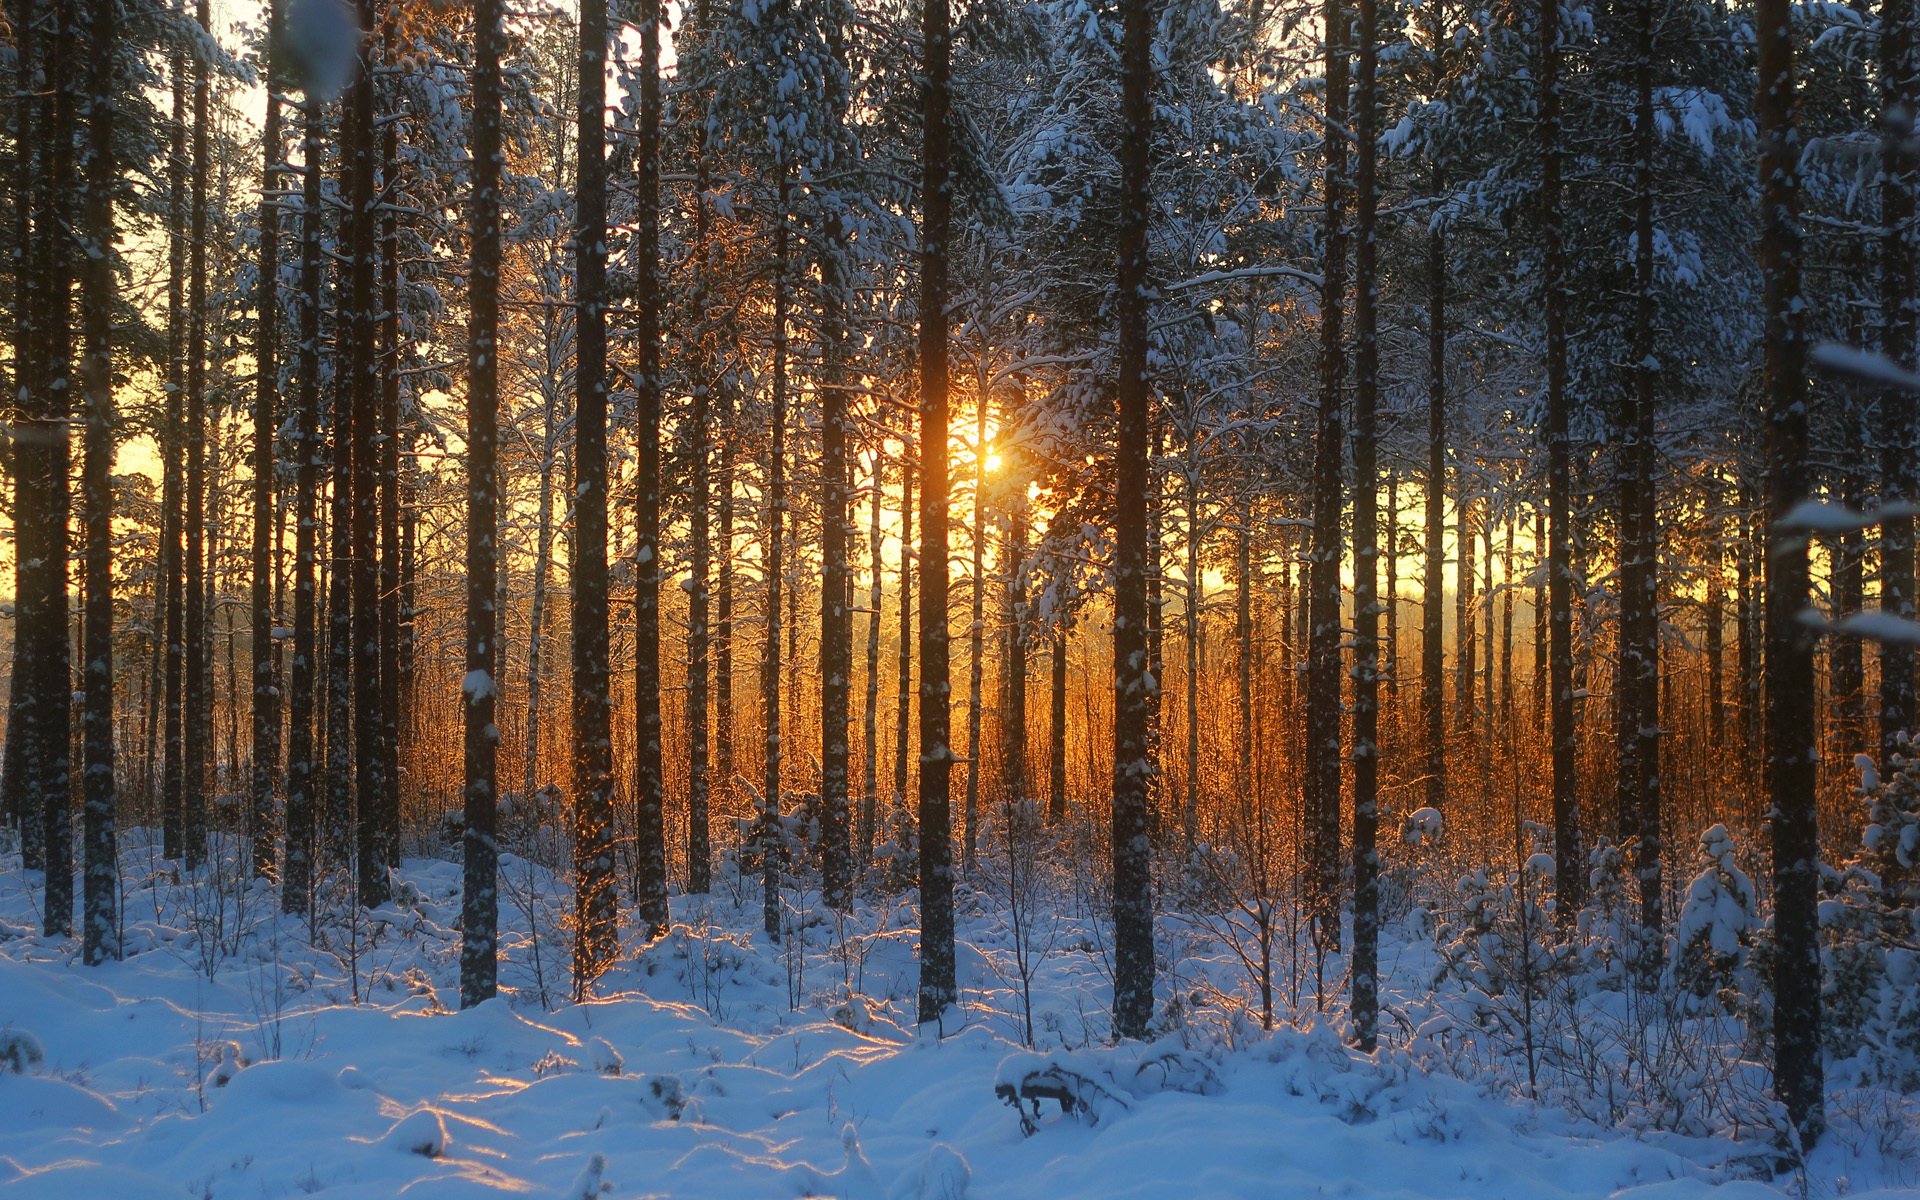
(937,986)
(1133,682)
(1798,1076)
(101,925)
(595,937)
(480,892)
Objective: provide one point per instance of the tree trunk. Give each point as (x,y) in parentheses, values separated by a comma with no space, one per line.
(198,690)
(772,844)
(101,926)
(870,785)
(836,572)
(1057,723)
(1798,1076)
(1899,316)
(1568,860)
(1196,587)
(480,895)
(977,616)
(1322,759)
(650,836)
(699,593)
(903,716)
(1134,683)
(937,990)
(387,504)
(266,414)
(172,550)
(296,881)
(1366,645)
(1433,647)
(44,503)
(363,384)
(597,934)
(1638,673)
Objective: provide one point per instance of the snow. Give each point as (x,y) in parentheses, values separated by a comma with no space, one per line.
(717,1065)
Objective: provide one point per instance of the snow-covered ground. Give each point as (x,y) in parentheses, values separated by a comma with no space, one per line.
(227,1058)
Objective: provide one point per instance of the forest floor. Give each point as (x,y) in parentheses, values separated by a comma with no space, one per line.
(226,1057)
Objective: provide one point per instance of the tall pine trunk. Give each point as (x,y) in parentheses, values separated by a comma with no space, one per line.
(1568,861)
(596,934)
(198,693)
(480,895)
(1366,641)
(1134,684)
(1321,798)
(1899,318)
(937,990)
(1638,678)
(1791,762)
(296,880)
(650,882)
(266,413)
(101,926)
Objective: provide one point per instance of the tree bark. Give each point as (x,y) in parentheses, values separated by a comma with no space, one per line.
(1791,761)
(650,883)
(1366,644)
(1899,317)
(101,926)
(596,937)
(1322,759)
(266,413)
(937,990)
(1638,673)
(1134,683)
(296,881)
(1568,859)
(480,894)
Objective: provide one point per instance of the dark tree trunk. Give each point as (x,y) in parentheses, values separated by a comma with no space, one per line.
(699,594)
(977,617)
(266,412)
(772,844)
(1013,665)
(937,989)
(1322,759)
(650,883)
(1568,864)
(1243,658)
(172,553)
(1638,675)
(1899,316)
(1465,635)
(1057,723)
(19,785)
(387,502)
(1433,646)
(1134,684)
(870,788)
(836,539)
(596,936)
(363,389)
(1716,620)
(1791,754)
(296,881)
(198,691)
(101,928)
(44,503)
(480,895)
(903,714)
(1366,644)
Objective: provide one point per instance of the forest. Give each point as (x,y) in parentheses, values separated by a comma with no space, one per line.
(1381,530)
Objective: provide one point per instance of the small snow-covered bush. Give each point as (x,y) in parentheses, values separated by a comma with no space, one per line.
(1871,929)
(20,1052)
(1714,935)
